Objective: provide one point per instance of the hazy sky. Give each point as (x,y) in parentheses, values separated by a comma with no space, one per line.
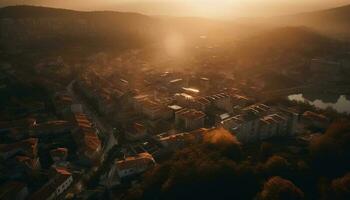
(206,8)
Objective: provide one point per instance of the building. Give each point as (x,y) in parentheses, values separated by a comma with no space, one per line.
(19,124)
(183,99)
(245,127)
(85,136)
(239,101)
(171,142)
(221,101)
(258,109)
(13,190)
(55,187)
(151,109)
(51,128)
(189,119)
(134,165)
(29,165)
(136,132)
(77,108)
(273,125)
(259,122)
(316,120)
(62,102)
(201,104)
(59,154)
(28,147)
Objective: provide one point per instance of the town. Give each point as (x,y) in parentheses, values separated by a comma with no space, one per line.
(121,104)
(109,126)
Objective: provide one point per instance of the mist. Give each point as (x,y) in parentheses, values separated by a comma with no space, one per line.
(200,8)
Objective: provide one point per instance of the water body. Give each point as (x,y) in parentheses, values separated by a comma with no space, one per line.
(340,103)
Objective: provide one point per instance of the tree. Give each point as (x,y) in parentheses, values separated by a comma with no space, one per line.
(277,188)
(340,187)
(276,166)
(331,152)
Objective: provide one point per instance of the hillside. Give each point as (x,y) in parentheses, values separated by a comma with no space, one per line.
(23,27)
(333,21)
(284,45)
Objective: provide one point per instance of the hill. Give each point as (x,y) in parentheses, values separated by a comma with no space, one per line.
(333,21)
(30,27)
(284,45)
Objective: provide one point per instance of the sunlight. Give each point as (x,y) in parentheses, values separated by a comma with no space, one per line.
(211,8)
(174,44)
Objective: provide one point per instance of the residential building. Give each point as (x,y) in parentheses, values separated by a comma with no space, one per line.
(20,124)
(134,165)
(136,131)
(59,154)
(55,187)
(151,109)
(315,120)
(176,141)
(259,122)
(189,119)
(221,101)
(85,136)
(28,147)
(29,165)
(51,128)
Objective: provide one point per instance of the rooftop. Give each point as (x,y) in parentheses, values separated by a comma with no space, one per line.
(145,159)
(190,114)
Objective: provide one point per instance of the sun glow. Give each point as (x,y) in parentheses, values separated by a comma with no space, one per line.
(211,8)
(174,44)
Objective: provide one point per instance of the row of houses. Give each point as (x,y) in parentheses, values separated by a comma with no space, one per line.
(224,101)
(59,182)
(86,138)
(259,122)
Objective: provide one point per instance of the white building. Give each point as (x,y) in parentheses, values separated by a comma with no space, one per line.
(260,122)
(189,119)
(55,187)
(134,165)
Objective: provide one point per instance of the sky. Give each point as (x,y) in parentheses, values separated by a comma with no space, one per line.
(202,8)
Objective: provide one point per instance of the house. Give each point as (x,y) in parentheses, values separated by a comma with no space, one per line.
(315,120)
(77,108)
(55,187)
(86,138)
(89,145)
(134,165)
(62,102)
(136,132)
(28,147)
(59,154)
(13,190)
(20,124)
(29,165)
(51,128)
(189,119)
(176,141)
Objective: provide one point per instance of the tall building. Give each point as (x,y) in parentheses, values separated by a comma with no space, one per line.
(189,119)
